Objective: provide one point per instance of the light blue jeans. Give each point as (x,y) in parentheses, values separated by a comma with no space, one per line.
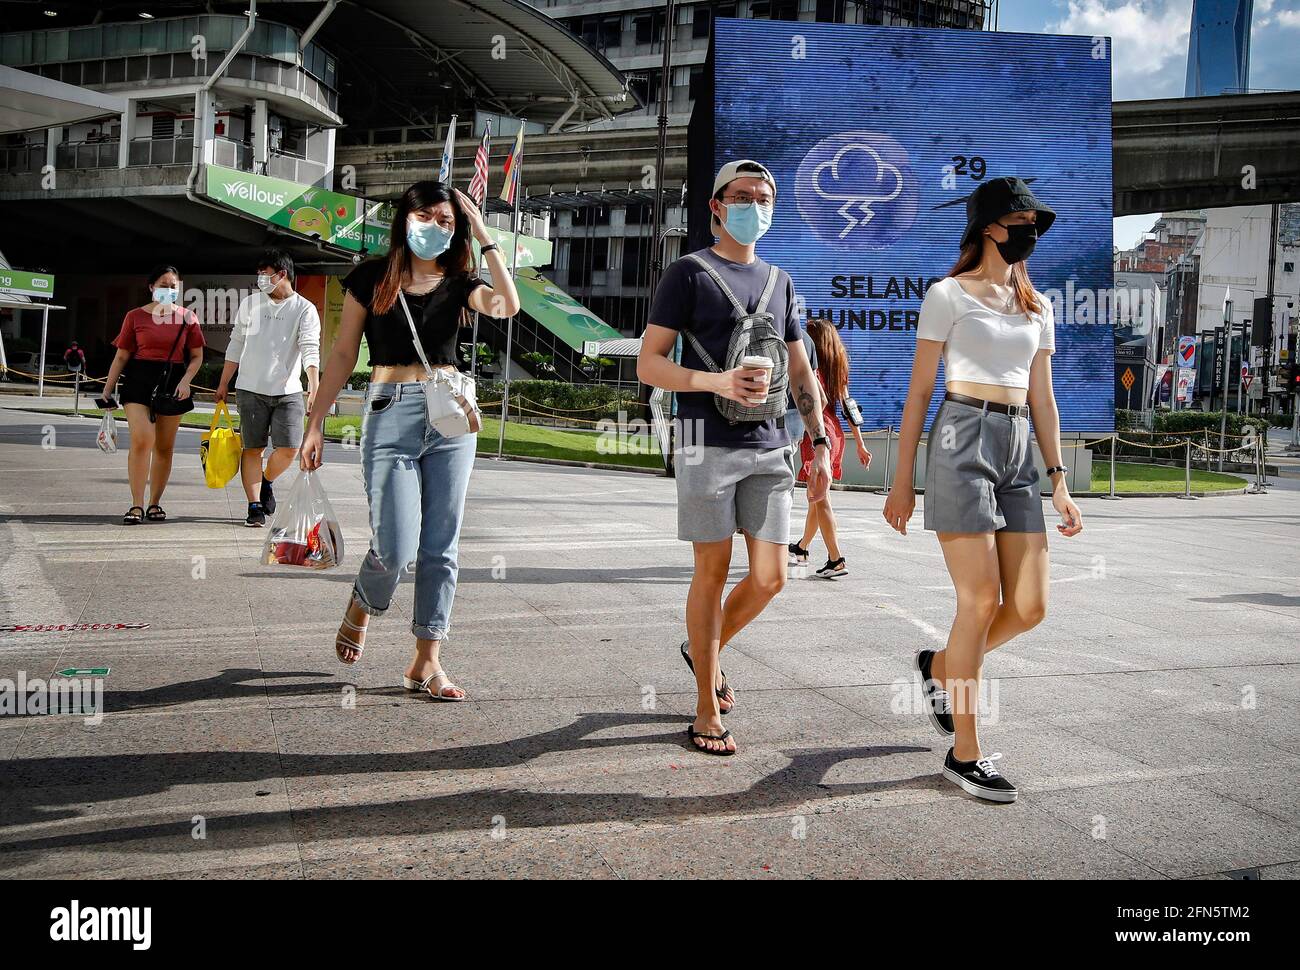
(416,482)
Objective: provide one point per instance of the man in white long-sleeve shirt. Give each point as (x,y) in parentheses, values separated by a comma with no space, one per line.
(275,338)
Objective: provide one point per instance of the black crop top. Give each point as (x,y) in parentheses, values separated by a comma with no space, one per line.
(437,317)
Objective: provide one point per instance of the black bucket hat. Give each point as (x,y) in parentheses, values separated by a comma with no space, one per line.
(999,197)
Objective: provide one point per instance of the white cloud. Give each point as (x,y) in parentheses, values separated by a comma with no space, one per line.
(1149,41)
(1289,18)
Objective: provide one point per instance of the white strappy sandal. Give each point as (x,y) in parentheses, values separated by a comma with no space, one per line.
(344,642)
(422,687)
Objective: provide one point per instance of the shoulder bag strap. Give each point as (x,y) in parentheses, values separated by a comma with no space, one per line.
(185,323)
(419,348)
(767,290)
(726,290)
(722,284)
(704,354)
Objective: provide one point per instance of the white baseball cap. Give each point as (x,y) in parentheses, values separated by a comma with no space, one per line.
(730,172)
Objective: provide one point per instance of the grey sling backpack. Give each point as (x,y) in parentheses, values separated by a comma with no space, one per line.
(754,333)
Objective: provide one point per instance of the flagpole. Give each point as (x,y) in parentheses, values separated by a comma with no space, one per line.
(517,175)
(482,208)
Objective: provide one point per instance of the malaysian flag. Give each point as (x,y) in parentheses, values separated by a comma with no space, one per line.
(509,190)
(478,184)
(448,152)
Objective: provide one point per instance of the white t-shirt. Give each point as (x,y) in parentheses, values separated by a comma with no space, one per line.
(979,344)
(274,342)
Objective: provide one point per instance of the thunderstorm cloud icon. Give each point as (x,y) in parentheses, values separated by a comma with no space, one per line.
(859,196)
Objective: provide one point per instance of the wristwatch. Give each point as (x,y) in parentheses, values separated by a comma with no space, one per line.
(488,248)
(821,440)
(1056,468)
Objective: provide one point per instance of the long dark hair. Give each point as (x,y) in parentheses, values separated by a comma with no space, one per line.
(832,359)
(972,254)
(457,260)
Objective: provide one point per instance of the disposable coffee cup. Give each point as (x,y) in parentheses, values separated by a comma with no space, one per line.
(757,362)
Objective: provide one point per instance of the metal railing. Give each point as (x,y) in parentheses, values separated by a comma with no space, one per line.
(86,154)
(294,168)
(160,151)
(22,159)
(232,154)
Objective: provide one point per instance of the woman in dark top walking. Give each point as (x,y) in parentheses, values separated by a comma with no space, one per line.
(415,477)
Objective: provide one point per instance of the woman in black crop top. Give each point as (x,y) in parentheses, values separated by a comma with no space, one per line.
(416,479)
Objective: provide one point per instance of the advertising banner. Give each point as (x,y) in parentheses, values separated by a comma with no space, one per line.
(340,220)
(876,136)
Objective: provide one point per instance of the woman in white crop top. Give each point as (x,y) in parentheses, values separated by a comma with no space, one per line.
(995,334)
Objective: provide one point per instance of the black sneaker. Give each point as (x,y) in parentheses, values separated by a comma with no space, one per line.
(798,555)
(833,569)
(267,498)
(979,778)
(938,704)
(256,516)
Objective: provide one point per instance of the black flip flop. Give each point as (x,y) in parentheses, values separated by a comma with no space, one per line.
(161,516)
(721,692)
(131,518)
(692,734)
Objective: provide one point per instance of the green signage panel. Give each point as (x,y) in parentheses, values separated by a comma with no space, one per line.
(560,313)
(315,213)
(26,284)
(531,252)
(341,220)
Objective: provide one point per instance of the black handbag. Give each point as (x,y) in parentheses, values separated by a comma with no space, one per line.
(163,401)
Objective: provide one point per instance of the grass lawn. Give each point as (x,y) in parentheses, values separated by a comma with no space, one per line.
(526,440)
(1130,477)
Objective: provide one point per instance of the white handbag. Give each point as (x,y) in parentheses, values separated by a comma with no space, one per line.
(450,399)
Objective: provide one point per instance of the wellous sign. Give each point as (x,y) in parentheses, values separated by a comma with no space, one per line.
(331,217)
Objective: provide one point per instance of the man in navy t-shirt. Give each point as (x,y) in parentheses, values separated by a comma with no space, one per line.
(730,476)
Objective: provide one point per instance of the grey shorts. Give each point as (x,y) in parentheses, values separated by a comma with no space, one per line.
(279,415)
(980,474)
(720,490)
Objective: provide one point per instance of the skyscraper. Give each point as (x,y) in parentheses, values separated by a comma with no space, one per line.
(1218,51)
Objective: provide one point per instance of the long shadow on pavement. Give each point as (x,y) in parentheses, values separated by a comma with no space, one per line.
(128,776)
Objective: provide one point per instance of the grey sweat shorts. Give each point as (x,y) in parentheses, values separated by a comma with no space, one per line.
(278,415)
(980,474)
(720,490)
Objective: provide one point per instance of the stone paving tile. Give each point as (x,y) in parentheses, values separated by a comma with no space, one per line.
(1177,829)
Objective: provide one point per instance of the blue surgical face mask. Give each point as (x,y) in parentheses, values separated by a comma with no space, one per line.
(427,240)
(166,294)
(748,221)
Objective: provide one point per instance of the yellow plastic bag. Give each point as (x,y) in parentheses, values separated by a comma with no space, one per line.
(219,450)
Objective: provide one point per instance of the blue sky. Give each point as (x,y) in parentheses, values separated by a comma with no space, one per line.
(1150,50)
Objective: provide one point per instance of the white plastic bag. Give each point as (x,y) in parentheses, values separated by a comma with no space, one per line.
(304,530)
(107,437)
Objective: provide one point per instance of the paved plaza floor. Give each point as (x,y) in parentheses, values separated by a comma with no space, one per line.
(1151,722)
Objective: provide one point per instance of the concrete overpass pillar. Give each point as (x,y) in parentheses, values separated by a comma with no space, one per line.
(53,137)
(204,126)
(330,134)
(128,132)
(260,136)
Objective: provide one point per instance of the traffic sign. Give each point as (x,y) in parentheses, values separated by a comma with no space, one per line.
(1127,379)
(1245,380)
(84,672)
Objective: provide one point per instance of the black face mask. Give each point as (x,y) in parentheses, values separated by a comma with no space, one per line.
(1021,240)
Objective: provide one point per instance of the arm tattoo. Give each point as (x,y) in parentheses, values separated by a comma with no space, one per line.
(806,402)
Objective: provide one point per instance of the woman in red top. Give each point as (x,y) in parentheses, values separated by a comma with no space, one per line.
(833,374)
(160,347)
